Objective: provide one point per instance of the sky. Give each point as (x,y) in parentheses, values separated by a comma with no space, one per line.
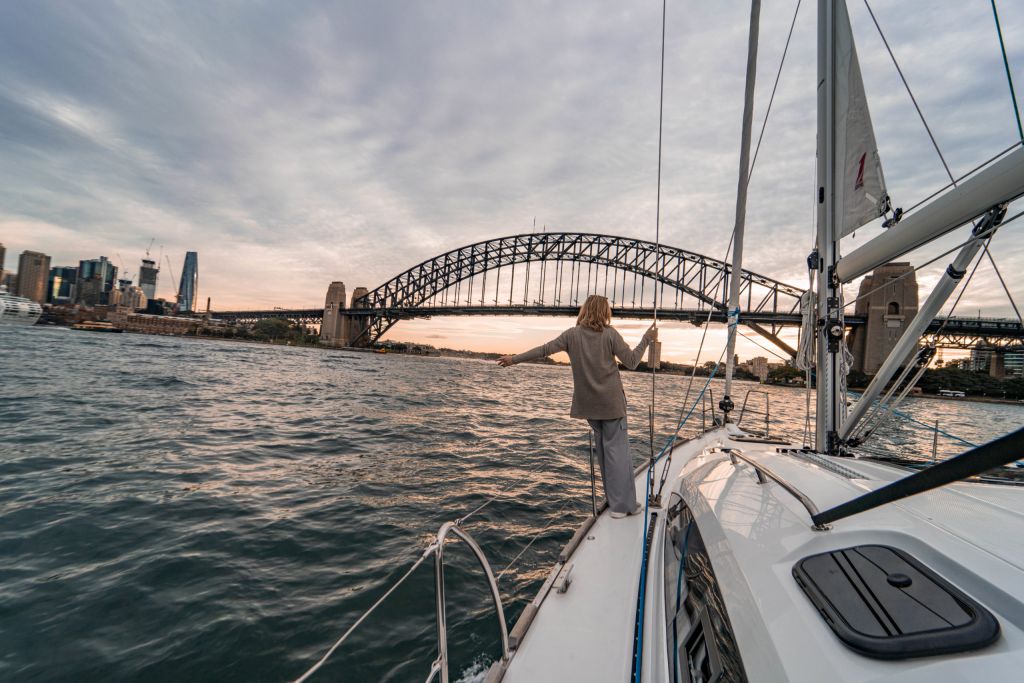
(294,144)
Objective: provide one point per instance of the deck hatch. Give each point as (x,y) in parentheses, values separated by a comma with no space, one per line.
(882,602)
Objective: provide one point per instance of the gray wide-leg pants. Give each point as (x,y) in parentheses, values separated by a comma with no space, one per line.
(611,439)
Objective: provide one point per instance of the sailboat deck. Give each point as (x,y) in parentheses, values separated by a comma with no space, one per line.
(755,534)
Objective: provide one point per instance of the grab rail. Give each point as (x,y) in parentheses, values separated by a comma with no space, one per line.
(440,665)
(764,474)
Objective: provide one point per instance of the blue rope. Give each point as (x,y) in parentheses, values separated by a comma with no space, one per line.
(641,598)
(932,428)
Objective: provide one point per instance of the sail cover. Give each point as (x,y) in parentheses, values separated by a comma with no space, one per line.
(859,185)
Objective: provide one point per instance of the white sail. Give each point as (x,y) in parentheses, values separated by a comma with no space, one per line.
(860,187)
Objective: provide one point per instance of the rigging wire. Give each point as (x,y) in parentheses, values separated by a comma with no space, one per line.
(1006,65)
(657,210)
(313,669)
(910,92)
(771,99)
(763,347)
(927,263)
(974,170)
(1002,282)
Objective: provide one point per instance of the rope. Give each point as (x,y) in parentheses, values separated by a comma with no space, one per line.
(1006,65)
(313,669)
(910,92)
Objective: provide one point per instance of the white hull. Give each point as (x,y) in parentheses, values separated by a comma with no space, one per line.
(754,534)
(16,310)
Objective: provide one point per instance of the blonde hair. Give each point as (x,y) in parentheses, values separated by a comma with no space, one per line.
(595,313)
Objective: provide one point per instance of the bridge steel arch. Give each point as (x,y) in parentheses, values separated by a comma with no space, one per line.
(676,270)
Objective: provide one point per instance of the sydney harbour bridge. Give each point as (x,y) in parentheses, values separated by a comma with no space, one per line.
(552,273)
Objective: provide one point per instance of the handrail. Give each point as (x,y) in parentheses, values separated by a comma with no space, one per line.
(764,474)
(440,665)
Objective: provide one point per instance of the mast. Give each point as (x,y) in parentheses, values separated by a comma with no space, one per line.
(735,279)
(829,309)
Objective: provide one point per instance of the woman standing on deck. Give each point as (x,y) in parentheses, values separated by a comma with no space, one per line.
(598,396)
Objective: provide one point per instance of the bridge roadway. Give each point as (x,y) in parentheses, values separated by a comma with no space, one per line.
(955,332)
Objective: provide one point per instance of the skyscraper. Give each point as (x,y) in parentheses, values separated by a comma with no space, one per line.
(2,253)
(96,278)
(189,287)
(61,288)
(147,277)
(33,275)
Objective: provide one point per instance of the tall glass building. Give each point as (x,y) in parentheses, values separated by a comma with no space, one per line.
(96,278)
(147,277)
(61,287)
(189,287)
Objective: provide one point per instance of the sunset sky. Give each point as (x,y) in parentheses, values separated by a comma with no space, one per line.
(292,144)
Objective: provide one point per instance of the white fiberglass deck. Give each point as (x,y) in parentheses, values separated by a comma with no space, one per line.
(755,533)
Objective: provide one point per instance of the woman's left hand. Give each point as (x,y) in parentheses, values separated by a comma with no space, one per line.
(505,361)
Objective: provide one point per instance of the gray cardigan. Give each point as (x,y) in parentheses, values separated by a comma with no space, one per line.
(597,388)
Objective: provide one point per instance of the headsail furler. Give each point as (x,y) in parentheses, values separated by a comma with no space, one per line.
(860,187)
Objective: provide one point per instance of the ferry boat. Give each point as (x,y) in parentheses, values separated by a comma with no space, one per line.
(96,326)
(763,559)
(17,310)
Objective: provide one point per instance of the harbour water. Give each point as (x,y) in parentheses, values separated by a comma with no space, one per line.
(179,509)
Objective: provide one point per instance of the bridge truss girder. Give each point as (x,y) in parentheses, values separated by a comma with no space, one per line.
(681,272)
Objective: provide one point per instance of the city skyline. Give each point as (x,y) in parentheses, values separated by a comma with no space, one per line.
(330,162)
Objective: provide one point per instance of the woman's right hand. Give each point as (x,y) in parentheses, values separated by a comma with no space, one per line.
(651,334)
(505,361)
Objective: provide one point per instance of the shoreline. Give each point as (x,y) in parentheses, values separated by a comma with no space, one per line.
(433,352)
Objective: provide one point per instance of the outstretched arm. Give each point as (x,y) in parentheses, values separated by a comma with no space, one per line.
(631,357)
(559,343)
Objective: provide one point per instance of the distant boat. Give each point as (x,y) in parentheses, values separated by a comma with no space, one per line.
(17,310)
(96,326)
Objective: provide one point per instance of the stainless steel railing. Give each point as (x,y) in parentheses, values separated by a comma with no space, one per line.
(767,409)
(439,669)
(764,474)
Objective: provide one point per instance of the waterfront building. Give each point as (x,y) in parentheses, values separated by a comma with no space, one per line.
(160,307)
(980,360)
(151,324)
(96,278)
(3,253)
(61,286)
(189,288)
(33,275)
(10,281)
(128,296)
(147,277)
(1013,364)
(333,330)
(759,367)
(888,300)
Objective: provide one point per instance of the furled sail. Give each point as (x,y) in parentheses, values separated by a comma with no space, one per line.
(860,187)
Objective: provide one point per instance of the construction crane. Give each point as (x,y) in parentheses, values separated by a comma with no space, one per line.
(170,268)
(152,239)
(125,275)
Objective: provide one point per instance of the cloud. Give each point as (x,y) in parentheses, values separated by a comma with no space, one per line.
(292,144)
